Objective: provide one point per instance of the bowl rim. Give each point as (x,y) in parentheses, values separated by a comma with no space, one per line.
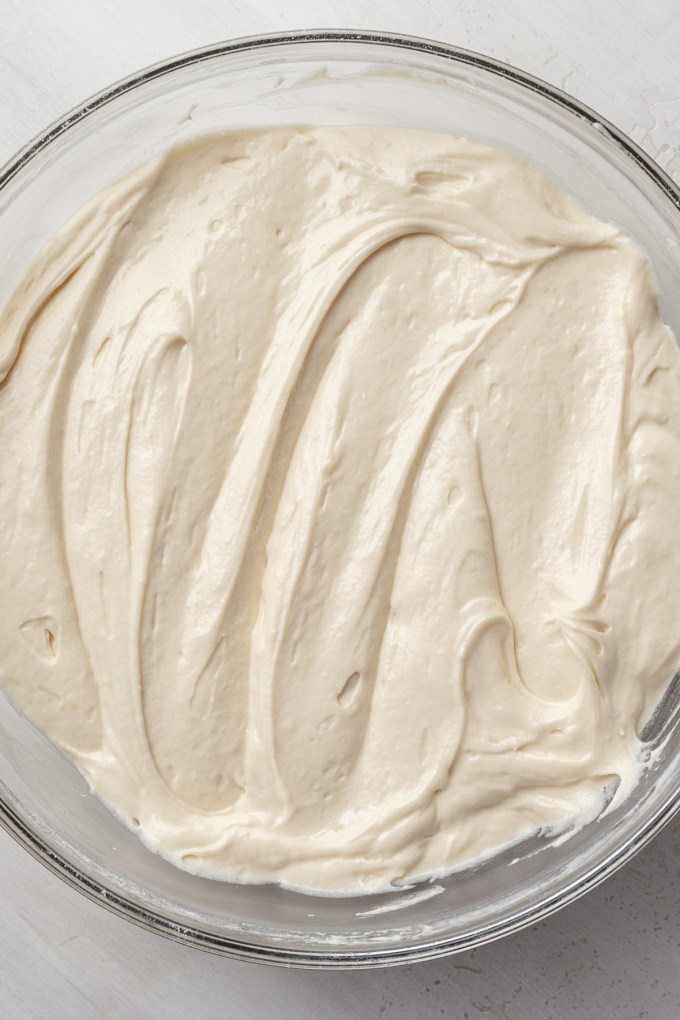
(155,920)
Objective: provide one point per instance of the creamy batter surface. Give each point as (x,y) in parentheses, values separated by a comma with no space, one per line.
(340,504)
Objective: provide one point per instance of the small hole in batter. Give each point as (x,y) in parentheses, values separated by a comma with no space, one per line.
(51,643)
(346,695)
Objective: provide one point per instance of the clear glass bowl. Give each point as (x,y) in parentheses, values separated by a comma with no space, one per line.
(327,78)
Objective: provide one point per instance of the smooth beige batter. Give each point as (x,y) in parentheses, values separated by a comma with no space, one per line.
(340,503)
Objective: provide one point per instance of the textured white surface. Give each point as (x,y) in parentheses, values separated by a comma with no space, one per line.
(614,953)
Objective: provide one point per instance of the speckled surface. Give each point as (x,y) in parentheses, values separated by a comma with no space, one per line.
(613,954)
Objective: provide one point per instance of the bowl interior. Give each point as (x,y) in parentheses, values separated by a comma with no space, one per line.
(319,80)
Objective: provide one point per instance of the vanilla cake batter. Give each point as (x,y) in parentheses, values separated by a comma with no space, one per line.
(340,503)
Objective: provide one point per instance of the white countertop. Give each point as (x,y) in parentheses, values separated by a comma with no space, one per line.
(613,954)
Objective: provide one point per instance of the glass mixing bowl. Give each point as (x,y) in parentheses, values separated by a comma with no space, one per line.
(327,78)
